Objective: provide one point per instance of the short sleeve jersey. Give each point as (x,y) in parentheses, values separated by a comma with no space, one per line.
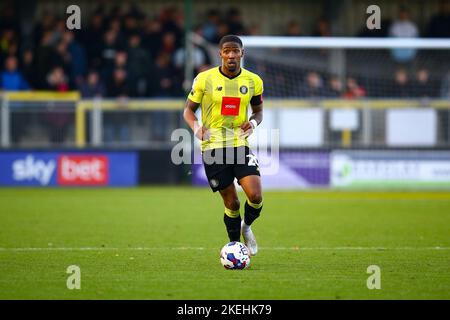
(224,104)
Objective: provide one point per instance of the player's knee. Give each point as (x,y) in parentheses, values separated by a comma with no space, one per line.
(255,197)
(233,204)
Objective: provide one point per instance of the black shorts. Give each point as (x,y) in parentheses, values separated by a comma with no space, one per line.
(222,166)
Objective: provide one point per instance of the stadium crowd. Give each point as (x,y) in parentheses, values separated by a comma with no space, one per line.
(131,54)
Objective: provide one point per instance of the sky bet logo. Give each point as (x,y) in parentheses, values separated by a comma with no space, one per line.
(29,169)
(79,170)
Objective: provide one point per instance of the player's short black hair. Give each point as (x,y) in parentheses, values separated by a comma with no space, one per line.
(230,38)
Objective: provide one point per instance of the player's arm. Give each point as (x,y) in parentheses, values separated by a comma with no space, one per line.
(192,103)
(189,115)
(256,116)
(192,121)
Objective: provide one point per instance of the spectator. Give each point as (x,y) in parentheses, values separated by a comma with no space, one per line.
(222,30)
(171,22)
(169,43)
(335,87)
(152,37)
(423,88)
(11,79)
(354,90)
(78,57)
(322,28)
(118,85)
(116,128)
(57,80)
(138,66)
(210,27)
(109,49)
(445,86)
(89,38)
(62,58)
(439,25)
(401,87)
(120,61)
(314,85)
(293,29)
(44,55)
(93,87)
(7,41)
(165,77)
(403,27)
(29,68)
(57,117)
(234,20)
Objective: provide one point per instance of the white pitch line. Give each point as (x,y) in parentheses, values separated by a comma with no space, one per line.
(203,248)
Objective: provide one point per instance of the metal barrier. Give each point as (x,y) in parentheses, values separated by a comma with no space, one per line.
(49,119)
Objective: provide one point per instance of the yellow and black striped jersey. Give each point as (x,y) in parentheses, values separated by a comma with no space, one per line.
(224,104)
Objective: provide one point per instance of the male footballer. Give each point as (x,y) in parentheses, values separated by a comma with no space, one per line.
(225,94)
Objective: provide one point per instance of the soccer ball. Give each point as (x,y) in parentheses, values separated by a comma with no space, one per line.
(235,255)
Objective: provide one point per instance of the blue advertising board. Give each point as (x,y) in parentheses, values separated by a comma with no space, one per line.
(68,168)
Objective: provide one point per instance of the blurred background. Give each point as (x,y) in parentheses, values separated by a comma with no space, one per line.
(98,105)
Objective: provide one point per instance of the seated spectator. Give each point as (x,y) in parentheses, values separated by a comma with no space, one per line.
(403,27)
(12,79)
(354,90)
(401,87)
(439,25)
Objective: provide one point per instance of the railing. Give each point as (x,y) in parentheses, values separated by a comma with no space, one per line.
(48,119)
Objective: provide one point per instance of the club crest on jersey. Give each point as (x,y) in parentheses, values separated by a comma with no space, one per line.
(243,89)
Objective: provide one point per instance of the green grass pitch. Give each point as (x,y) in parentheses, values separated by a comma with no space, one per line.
(164,243)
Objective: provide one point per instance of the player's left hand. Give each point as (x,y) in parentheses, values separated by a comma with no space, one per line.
(247,129)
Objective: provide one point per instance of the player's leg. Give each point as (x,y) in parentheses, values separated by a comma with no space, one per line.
(232,217)
(253,190)
(247,173)
(221,178)
(253,206)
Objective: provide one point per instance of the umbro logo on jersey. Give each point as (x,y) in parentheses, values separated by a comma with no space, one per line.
(219,88)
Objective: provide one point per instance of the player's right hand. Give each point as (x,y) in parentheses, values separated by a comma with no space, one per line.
(202,133)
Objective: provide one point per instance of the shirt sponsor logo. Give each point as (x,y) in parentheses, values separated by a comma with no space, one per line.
(82,170)
(230,106)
